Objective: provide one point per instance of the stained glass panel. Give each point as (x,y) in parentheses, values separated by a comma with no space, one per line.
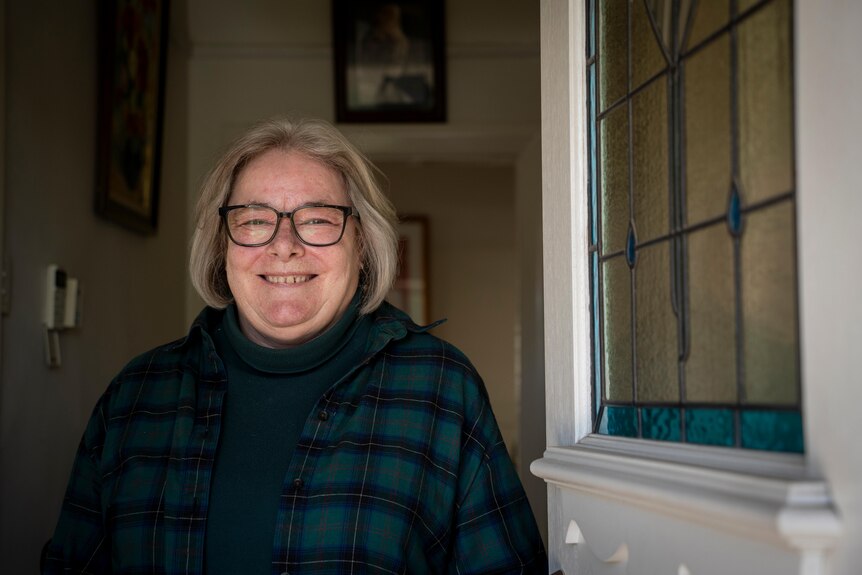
(617,329)
(656,337)
(613,52)
(772,430)
(614,180)
(710,427)
(693,276)
(769,307)
(651,188)
(710,369)
(765,103)
(647,57)
(661,423)
(709,16)
(708,170)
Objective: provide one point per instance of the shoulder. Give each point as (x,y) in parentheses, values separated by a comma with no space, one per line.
(419,358)
(156,374)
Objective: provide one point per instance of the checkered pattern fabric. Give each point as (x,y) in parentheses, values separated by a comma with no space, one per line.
(400,468)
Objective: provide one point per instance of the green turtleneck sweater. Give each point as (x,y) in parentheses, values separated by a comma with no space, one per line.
(269,397)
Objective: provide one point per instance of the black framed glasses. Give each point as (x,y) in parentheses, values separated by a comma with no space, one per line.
(254,225)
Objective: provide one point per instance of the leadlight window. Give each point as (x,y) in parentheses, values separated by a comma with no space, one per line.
(692,222)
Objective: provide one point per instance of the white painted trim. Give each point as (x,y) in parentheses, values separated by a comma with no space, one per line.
(564,223)
(793,513)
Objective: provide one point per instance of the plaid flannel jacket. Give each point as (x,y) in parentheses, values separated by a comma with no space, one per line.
(400,468)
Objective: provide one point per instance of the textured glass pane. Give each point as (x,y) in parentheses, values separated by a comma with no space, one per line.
(615,180)
(772,430)
(684,13)
(709,17)
(618,329)
(743,5)
(710,427)
(661,423)
(619,421)
(613,51)
(647,57)
(765,103)
(662,12)
(656,349)
(710,370)
(650,153)
(707,131)
(769,306)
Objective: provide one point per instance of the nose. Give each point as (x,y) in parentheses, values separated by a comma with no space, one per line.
(285,243)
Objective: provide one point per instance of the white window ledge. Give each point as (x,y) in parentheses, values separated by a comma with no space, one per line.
(758,495)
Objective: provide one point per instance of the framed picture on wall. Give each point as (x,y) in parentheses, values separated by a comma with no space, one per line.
(132,40)
(411,290)
(389,60)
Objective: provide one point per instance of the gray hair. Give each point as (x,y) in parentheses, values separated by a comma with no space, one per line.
(322,142)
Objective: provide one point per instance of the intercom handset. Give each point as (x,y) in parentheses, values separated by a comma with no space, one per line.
(61,300)
(62,310)
(55,298)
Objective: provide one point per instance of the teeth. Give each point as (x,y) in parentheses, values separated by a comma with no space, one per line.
(287,279)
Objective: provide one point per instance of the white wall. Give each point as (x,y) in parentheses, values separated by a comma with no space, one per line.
(133,285)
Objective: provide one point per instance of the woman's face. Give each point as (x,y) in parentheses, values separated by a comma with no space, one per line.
(286,292)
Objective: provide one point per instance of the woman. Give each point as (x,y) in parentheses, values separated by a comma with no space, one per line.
(303,425)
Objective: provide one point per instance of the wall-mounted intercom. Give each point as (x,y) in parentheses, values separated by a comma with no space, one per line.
(62,310)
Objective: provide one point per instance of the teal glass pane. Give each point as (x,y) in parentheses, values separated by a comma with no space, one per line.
(620,421)
(710,427)
(772,431)
(661,423)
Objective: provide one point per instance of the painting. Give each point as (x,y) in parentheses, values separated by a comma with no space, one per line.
(410,292)
(389,60)
(132,41)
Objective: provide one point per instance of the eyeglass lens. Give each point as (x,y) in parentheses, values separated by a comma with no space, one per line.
(315,225)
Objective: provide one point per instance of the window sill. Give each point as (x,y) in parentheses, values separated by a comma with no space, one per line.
(758,495)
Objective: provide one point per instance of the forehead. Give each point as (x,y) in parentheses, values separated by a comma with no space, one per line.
(282,178)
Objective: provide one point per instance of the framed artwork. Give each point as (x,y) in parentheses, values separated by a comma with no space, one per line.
(132,39)
(389,60)
(410,293)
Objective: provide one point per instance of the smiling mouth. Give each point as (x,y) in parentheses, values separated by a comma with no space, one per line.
(287,279)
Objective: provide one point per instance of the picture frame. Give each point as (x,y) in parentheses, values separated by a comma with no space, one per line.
(390,63)
(411,290)
(132,55)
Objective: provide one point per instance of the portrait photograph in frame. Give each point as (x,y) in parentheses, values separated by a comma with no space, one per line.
(132,54)
(411,290)
(389,60)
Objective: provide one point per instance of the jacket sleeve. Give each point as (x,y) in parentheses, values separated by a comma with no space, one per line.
(495,531)
(79,544)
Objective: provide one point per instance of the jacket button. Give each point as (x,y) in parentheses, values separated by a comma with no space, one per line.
(298,483)
(323,415)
